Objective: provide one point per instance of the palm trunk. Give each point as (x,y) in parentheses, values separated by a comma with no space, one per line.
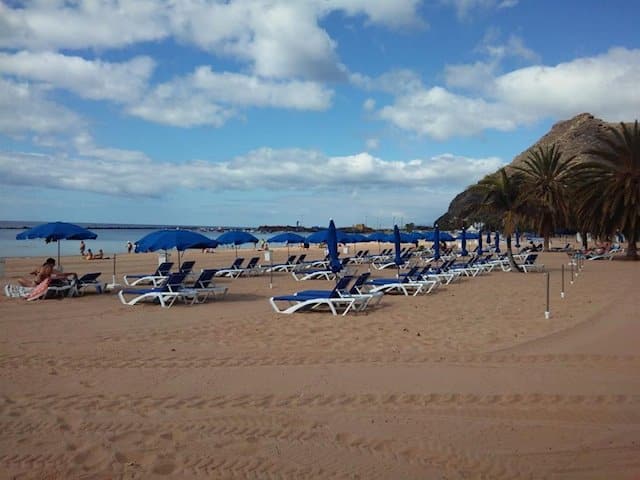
(512,261)
(547,240)
(585,242)
(632,251)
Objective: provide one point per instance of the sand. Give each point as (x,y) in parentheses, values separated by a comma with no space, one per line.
(470,381)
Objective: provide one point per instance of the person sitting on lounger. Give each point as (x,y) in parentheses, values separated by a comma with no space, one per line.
(44,272)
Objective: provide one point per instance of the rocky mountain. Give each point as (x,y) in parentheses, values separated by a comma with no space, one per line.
(574,137)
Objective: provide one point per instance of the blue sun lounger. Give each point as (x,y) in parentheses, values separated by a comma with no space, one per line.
(133,279)
(314,300)
(166,293)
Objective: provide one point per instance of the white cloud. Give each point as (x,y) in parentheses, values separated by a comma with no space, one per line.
(480,75)
(400,81)
(278,38)
(514,47)
(93,79)
(372,143)
(604,85)
(441,114)
(476,76)
(24,109)
(209,98)
(465,7)
(392,13)
(120,172)
(369,104)
(52,24)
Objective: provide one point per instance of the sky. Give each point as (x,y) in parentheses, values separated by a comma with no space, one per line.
(254,112)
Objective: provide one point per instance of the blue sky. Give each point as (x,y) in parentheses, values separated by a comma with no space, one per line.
(249,112)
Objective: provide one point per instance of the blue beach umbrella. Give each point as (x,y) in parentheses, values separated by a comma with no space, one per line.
(332,245)
(398,260)
(517,245)
(56,231)
(235,238)
(322,236)
(446,236)
(378,237)
(480,242)
(488,238)
(463,249)
(497,236)
(436,243)
(356,237)
(287,237)
(168,239)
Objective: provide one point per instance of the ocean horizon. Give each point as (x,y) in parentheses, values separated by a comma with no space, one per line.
(112,238)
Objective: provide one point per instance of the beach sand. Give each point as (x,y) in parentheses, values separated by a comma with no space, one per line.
(470,381)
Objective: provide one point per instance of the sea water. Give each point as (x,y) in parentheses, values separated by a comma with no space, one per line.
(111,240)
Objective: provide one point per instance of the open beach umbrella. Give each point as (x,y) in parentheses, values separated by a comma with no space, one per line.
(446,236)
(56,231)
(178,239)
(517,245)
(463,244)
(377,237)
(436,243)
(356,237)
(332,245)
(497,238)
(321,236)
(287,237)
(235,238)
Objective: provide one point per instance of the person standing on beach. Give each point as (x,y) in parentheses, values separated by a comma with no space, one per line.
(129,246)
(82,247)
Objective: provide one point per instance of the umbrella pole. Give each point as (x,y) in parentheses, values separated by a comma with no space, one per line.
(59,266)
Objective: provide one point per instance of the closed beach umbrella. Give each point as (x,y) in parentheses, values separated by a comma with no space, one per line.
(56,231)
(287,237)
(235,238)
(398,260)
(488,238)
(169,239)
(332,245)
(517,245)
(480,242)
(497,235)
(463,244)
(436,243)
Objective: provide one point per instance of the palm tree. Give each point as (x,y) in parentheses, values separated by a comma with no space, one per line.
(501,195)
(608,190)
(546,178)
